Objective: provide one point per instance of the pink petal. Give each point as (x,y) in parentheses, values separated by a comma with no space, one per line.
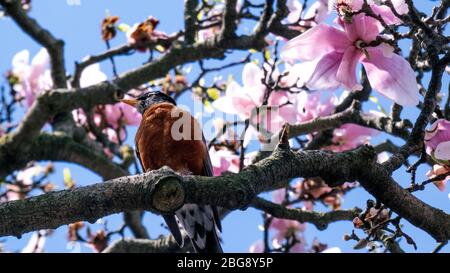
(252,75)
(295,8)
(315,43)
(392,77)
(388,16)
(324,75)
(442,151)
(21,59)
(243,105)
(278,98)
(288,113)
(318,11)
(362,28)
(39,63)
(346,73)
(225,103)
(92,75)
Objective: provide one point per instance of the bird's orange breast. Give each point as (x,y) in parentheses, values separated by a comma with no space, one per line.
(169,136)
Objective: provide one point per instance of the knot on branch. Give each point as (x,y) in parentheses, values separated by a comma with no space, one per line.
(166,193)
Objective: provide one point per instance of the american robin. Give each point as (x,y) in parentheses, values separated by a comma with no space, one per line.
(170,136)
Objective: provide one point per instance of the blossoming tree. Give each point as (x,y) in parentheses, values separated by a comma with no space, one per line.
(301,125)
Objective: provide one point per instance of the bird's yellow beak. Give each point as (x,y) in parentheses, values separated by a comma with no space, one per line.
(131,102)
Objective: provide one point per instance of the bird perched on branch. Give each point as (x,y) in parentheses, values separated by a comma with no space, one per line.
(170,136)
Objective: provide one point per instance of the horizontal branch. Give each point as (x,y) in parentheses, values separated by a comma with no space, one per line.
(353,115)
(164,191)
(61,148)
(318,219)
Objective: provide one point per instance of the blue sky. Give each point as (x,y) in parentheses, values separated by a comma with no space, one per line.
(77,23)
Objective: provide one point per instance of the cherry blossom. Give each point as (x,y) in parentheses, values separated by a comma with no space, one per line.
(31,78)
(335,53)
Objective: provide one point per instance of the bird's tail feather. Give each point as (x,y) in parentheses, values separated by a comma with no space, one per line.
(172,224)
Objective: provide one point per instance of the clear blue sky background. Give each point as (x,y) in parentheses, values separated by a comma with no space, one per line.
(77,22)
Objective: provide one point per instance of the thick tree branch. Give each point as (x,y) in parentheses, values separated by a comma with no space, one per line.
(163,191)
(229,22)
(190,18)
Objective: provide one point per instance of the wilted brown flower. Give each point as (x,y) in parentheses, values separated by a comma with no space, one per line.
(109,28)
(99,241)
(144,33)
(73,230)
(174,85)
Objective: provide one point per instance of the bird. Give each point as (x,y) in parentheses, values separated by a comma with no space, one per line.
(161,141)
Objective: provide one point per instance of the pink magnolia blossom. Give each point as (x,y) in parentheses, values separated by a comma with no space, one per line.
(437,141)
(350,136)
(121,114)
(284,227)
(317,11)
(312,105)
(335,53)
(33,77)
(345,6)
(115,115)
(244,100)
(439,170)
(223,160)
(287,227)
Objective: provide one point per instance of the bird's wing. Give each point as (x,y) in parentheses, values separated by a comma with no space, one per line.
(200,221)
(170,219)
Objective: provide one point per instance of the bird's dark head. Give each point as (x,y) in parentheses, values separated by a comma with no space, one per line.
(144,101)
